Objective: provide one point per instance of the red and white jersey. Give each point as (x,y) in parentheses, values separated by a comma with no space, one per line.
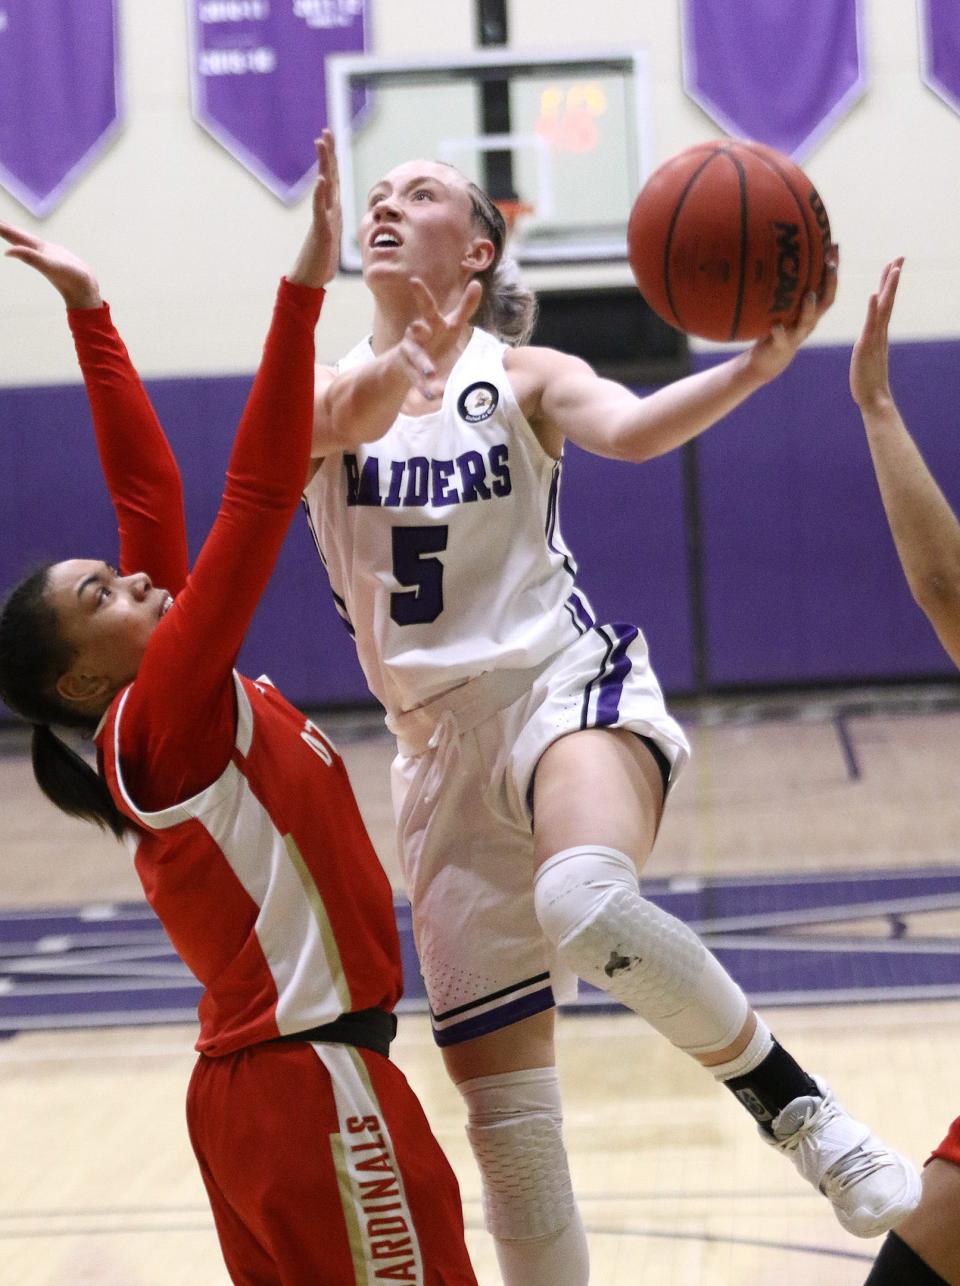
(266,881)
(249,843)
(441,539)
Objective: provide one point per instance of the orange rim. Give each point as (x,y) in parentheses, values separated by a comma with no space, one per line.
(512,210)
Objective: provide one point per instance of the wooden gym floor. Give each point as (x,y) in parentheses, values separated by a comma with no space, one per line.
(98,1186)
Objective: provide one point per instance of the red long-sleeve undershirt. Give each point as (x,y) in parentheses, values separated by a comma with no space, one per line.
(179,722)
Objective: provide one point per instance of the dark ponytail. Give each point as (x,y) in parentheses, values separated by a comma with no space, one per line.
(33,655)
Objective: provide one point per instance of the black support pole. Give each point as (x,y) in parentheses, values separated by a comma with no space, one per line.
(491,31)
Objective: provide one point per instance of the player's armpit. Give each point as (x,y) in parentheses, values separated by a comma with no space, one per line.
(561,397)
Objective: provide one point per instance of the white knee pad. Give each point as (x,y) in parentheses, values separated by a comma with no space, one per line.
(514,1130)
(589,904)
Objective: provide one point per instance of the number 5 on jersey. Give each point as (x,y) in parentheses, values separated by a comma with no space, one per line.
(413,566)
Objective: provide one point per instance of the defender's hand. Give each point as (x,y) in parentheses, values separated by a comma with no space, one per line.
(869,361)
(65,272)
(319,256)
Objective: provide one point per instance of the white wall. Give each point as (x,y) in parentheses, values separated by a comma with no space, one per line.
(188,245)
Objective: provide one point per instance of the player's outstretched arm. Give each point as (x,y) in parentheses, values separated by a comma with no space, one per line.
(316,264)
(924,527)
(65,272)
(138,464)
(173,749)
(607,419)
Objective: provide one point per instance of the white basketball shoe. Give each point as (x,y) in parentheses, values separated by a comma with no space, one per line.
(870,1186)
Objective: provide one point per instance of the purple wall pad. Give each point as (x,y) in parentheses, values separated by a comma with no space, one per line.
(297,637)
(801,578)
(802,582)
(625,525)
(111,965)
(57,506)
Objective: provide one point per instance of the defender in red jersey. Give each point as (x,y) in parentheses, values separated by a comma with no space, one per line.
(317,1158)
(924,1248)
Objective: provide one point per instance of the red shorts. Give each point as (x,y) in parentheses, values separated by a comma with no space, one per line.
(321,1168)
(949,1149)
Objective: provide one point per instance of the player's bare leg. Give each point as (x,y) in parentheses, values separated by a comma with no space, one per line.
(931,1232)
(598,797)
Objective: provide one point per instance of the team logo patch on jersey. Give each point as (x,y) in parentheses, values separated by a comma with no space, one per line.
(478,402)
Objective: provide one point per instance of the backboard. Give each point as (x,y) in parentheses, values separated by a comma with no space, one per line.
(564,134)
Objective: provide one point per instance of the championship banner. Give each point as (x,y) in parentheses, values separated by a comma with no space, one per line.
(940,49)
(58,95)
(259,82)
(775,71)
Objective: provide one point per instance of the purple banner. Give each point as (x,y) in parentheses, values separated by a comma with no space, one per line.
(775,71)
(940,48)
(58,94)
(259,82)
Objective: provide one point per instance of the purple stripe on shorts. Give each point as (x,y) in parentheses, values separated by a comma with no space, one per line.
(573,620)
(493,1019)
(575,602)
(588,689)
(611,685)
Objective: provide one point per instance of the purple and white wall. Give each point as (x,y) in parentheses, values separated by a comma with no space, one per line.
(793,578)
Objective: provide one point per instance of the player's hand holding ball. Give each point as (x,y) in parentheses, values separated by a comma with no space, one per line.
(731,241)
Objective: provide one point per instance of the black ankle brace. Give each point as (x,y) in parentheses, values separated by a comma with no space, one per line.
(774,1083)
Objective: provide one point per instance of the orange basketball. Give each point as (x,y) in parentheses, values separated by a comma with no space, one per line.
(726,238)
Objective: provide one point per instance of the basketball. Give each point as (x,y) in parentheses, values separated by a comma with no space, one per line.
(725,239)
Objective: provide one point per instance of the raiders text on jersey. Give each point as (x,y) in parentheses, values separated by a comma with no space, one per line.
(421,481)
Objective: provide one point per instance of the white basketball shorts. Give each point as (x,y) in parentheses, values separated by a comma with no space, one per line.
(462,784)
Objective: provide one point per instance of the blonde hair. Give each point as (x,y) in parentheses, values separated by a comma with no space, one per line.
(508,308)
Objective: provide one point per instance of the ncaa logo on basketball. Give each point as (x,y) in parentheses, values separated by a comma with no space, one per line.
(478,402)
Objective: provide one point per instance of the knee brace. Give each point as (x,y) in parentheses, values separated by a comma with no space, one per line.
(589,905)
(513,1127)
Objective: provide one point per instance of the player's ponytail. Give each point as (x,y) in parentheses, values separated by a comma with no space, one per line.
(32,657)
(68,781)
(509,307)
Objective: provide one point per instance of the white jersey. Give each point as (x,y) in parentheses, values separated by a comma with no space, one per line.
(441,539)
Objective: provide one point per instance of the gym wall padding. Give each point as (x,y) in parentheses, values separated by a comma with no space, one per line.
(788,575)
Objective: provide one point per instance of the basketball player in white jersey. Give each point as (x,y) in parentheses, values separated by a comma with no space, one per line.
(535,751)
